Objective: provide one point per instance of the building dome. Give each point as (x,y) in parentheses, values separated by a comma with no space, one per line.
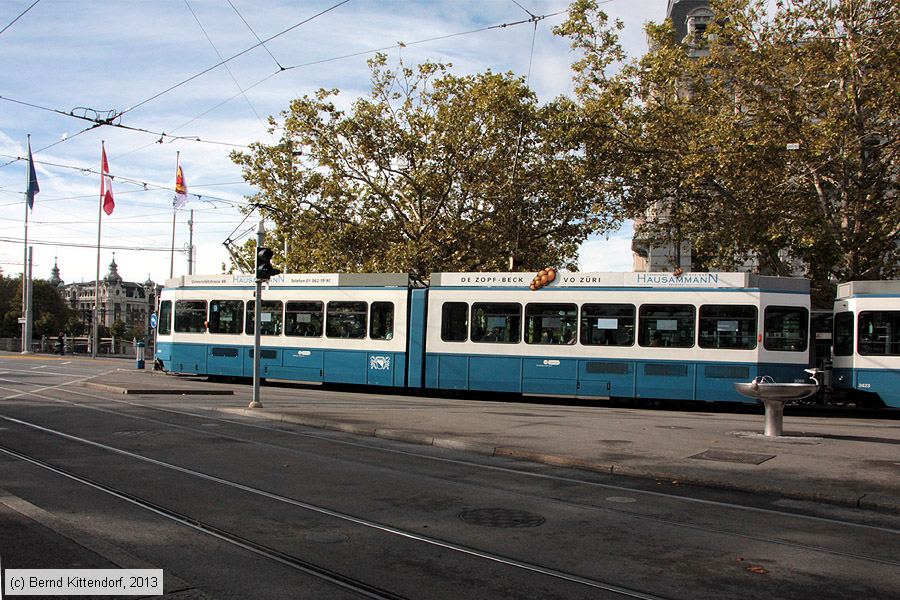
(149,283)
(55,281)
(113,276)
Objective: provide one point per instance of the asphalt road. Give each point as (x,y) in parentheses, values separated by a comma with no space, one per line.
(234,508)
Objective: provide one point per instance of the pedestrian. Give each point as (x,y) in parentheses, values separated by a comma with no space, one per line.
(61,342)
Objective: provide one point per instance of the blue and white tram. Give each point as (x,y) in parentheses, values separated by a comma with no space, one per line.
(866,351)
(625,335)
(341,328)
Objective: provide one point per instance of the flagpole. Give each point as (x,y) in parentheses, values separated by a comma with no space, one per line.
(174,212)
(96,329)
(25,257)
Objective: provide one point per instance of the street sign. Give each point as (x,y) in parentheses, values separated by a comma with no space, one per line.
(22,320)
(153,321)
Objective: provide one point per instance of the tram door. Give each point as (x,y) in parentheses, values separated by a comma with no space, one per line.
(821,327)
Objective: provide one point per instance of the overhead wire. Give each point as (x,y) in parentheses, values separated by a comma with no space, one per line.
(22,14)
(241,53)
(227,68)
(266,48)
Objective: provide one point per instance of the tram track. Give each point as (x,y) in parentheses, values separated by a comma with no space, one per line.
(344,582)
(277,555)
(430,457)
(530,496)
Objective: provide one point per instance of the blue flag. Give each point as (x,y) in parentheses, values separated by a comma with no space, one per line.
(33,187)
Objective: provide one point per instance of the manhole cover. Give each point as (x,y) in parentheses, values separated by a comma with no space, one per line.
(501,517)
(745,458)
(620,499)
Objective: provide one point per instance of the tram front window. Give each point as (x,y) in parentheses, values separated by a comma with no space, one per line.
(879,333)
(843,334)
(165,317)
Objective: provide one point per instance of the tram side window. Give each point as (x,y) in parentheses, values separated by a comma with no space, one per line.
(843,334)
(190,316)
(496,322)
(304,319)
(346,320)
(879,332)
(786,328)
(728,326)
(382,325)
(547,323)
(271,321)
(669,325)
(225,316)
(607,324)
(165,317)
(454,321)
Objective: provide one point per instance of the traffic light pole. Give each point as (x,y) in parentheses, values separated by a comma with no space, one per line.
(257,317)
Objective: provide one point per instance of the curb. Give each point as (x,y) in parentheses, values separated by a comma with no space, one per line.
(865,501)
(114,389)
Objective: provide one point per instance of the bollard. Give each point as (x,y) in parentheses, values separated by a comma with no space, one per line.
(139,355)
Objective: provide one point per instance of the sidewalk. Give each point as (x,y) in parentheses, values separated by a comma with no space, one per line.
(846,461)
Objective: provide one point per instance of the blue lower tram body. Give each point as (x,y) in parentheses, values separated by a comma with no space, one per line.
(364,367)
(883,383)
(581,377)
(600,378)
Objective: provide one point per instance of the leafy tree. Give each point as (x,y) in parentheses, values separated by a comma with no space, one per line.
(696,132)
(431,172)
(51,315)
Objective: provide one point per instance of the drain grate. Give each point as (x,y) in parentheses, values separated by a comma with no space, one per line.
(501,517)
(744,458)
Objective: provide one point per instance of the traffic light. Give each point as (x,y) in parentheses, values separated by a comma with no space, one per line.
(264,268)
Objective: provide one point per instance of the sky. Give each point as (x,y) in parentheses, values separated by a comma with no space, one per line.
(87,58)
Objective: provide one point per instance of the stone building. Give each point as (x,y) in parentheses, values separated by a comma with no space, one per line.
(126,301)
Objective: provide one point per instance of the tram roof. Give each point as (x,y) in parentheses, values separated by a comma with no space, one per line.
(888,287)
(294,280)
(566,279)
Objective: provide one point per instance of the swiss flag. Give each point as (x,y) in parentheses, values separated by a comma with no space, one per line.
(106,191)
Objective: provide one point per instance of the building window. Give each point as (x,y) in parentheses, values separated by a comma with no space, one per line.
(669,325)
(551,323)
(786,328)
(607,324)
(190,316)
(304,319)
(346,320)
(225,316)
(728,326)
(382,322)
(496,322)
(454,321)
(271,321)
